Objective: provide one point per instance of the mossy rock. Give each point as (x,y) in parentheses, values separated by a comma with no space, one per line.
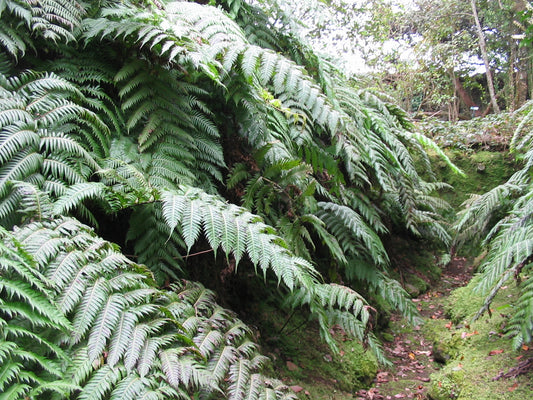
(416,286)
(300,357)
(446,348)
(446,343)
(464,302)
(356,368)
(446,386)
(483,171)
(387,337)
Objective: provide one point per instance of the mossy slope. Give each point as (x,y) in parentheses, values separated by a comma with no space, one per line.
(478,353)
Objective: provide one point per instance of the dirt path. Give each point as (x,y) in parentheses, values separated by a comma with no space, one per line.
(410,351)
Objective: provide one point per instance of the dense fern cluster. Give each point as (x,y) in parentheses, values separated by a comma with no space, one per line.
(502,217)
(80,318)
(190,125)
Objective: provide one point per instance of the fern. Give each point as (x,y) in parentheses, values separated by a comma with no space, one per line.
(54,20)
(352,232)
(30,325)
(129,338)
(36,110)
(503,216)
(134,114)
(227,225)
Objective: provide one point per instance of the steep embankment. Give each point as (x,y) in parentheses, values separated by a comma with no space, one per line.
(450,358)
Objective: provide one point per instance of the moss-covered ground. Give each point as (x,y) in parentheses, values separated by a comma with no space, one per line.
(478,355)
(447,357)
(483,170)
(306,364)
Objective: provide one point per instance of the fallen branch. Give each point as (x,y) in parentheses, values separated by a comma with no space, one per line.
(522,368)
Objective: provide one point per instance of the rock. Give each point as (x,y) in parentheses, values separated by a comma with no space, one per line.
(387,337)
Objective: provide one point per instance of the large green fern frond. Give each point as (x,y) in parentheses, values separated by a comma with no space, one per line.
(31,323)
(127,338)
(354,235)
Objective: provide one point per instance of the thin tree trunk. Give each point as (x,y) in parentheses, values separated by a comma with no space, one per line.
(462,93)
(513,78)
(483,49)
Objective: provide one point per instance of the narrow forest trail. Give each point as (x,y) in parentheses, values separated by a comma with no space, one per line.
(411,351)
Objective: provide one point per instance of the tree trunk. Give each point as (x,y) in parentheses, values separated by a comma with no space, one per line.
(483,49)
(462,93)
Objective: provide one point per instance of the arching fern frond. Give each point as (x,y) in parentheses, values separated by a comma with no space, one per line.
(127,338)
(352,232)
(504,215)
(31,323)
(236,231)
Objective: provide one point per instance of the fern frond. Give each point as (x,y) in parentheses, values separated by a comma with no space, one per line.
(126,339)
(260,243)
(27,317)
(351,231)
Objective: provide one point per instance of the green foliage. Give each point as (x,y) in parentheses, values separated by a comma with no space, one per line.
(132,111)
(503,215)
(96,315)
(492,132)
(30,325)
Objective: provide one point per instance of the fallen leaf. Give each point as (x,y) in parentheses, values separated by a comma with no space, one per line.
(494,352)
(297,389)
(525,347)
(449,325)
(513,388)
(292,366)
(468,334)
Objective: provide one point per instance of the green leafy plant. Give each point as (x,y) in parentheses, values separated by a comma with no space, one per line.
(168,126)
(503,217)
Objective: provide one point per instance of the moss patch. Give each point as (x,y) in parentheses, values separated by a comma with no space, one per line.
(302,360)
(464,302)
(477,353)
(484,170)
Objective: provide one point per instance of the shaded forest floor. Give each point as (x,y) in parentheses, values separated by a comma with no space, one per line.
(447,358)
(411,351)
